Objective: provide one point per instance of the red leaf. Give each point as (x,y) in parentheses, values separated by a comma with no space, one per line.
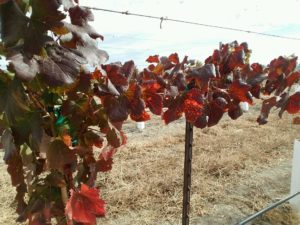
(174,58)
(292,78)
(240,91)
(92,138)
(202,76)
(201,122)
(235,111)
(97,74)
(257,68)
(255,91)
(144,116)
(293,104)
(128,69)
(216,110)
(281,65)
(216,58)
(174,111)
(85,205)
(116,108)
(104,165)
(153,59)
(105,161)
(136,103)
(15,168)
(115,138)
(115,75)
(154,102)
(236,58)
(265,110)
(193,105)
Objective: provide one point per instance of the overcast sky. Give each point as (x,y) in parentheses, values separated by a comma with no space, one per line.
(128,37)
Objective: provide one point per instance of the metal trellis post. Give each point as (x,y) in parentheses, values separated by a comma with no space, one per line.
(187,173)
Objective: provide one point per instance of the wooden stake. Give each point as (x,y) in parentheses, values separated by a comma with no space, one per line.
(187,173)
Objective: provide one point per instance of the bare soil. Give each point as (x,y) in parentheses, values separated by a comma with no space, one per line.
(239,168)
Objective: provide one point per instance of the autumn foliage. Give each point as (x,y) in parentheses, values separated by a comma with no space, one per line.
(61,124)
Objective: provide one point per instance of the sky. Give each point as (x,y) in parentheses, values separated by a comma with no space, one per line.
(129,37)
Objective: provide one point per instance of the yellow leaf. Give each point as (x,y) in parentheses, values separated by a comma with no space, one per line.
(60,30)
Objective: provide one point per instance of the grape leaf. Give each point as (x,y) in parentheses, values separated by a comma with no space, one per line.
(235,111)
(128,69)
(47,12)
(83,36)
(143,116)
(15,168)
(8,144)
(293,103)
(80,16)
(193,105)
(104,165)
(115,138)
(114,74)
(236,58)
(13,99)
(241,91)
(84,205)
(265,110)
(13,23)
(202,75)
(26,69)
(292,78)
(29,130)
(55,179)
(20,198)
(154,102)
(58,155)
(153,59)
(91,138)
(281,65)
(39,207)
(117,109)
(217,107)
(201,121)
(174,58)
(136,103)
(105,160)
(105,88)
(174,111)
(62,66)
